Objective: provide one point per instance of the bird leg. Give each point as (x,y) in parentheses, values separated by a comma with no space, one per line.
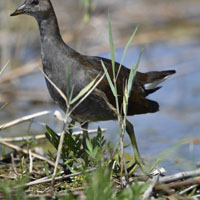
(71,126)
(131,133)
(84,127)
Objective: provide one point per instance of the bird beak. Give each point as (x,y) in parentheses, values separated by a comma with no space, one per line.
(19,11)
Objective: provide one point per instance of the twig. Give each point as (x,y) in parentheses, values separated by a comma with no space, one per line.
(4,67)
(148,192)
(31,161)
(196,197)
(178,184)
(5,176)
(47,179)
(59,151)
(22,138)
(23,119)
(17,148)
(42,136)
(54,85)
(187,189)
(180,175)
(13,164)
(89,131)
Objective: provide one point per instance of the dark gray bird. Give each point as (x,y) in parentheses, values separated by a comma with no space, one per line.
(57,57)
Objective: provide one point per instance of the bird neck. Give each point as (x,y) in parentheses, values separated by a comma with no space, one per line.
(49,28)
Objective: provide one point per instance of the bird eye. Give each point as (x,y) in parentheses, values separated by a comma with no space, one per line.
(35,2)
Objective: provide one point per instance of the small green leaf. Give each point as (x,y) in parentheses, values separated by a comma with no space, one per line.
(109,79)
(112,48)
(71,93)
(89,145)
(131,79)
(68,82)
(83,92)
(68,161)
(88,152)
(99,131)
(126,48)
(52,137)
(132,75)
(125,100)
(47,172)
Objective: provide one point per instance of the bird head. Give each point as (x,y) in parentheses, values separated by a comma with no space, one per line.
(35,8)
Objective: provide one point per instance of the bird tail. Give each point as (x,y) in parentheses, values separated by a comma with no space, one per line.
(151,80)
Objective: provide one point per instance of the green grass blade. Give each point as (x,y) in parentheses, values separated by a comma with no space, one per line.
(97,81)
(71,94)
(125,100)
(126,48)
(112,48)
(89,145)
(68,82)
(4,67)
(3,106)
(131,79)
(57,89)
(109,79)
(132,75)
(83,92)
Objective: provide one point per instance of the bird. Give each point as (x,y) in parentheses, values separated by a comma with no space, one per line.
(58,58)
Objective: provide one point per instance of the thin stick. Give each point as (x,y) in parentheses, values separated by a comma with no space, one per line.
(17,148)
(59,150)
(4,67)
(58,89)
(148,192)
(188,189)
(180,175)
(195,181)
(42,136)
(6,177)
(13,164)
(23,119)
(31,161)
(47,179)
(22,138)
(89,131)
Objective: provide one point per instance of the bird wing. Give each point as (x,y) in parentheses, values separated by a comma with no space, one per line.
(137,98)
